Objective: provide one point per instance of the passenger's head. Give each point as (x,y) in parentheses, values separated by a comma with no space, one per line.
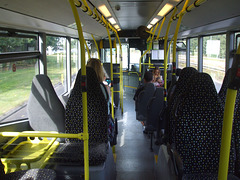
(148,77)
(156,71)
(96,65)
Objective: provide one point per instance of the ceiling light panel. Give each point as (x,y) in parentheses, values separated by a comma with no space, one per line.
(112,20)
(165,9)
(154,21)
(104,11)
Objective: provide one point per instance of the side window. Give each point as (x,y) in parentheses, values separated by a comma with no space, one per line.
(56,63)
(16,74)
(214,58)
(135,55)
(181,49)
(194,53)
(74,58)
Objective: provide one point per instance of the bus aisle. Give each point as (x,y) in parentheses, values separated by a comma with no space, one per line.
(134,160)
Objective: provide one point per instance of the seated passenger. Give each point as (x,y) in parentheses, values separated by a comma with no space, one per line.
(98,68)
(157,78)
(147,79)
(96,65)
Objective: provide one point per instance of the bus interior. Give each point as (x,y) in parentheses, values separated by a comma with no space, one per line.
(57,121)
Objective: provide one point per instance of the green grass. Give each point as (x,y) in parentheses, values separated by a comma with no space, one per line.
(15,86)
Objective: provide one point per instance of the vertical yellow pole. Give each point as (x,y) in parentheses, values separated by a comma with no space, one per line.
(227,129)
(111,69)
(96,46)
(115,46)
(84,94)
(226,134)
(121,73)
(181,14)
(165,54)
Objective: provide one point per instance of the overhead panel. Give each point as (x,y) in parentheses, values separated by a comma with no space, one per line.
(131,14)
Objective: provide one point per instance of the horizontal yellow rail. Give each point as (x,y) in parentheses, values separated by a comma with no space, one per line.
(131,87)
(81,136)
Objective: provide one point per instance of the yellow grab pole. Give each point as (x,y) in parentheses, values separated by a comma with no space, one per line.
(169,47)
(228,121)
(175,40)
(140,60)
(96,46)
(226,134)
(121,73)
(165,54)
(160,28)
(111,69)
(84,93)
(115,46)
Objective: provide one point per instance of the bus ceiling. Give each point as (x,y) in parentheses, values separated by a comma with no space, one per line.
(55,17)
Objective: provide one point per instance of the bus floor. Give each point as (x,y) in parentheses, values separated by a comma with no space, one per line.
(134,159)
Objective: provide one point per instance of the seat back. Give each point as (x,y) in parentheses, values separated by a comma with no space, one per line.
(45,110)
(96,107)
(198,126)
(154,107)
(223,91)
(236,123)
(141,104)
(181,86)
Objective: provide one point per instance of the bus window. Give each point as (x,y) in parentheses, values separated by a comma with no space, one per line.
(125,56)
(214,54)
(56,63)
(74,58)
(107,58)
(15,85)
(135,55)
(237,40)
(181,49)
(16,74)
(194,53)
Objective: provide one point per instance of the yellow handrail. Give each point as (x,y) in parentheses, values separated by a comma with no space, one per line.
(50,134)
(84,93)
(111,69)
(227,127)
(96,46)
(183,11)
(165,54)
(160,28)
(121,72)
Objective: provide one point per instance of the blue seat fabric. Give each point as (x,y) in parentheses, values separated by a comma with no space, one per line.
(181,86)
(198,127)
(141,104)
(97,122)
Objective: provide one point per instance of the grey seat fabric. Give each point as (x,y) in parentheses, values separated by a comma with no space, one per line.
(45,110)
(36,174)
(141,104)
(198,127)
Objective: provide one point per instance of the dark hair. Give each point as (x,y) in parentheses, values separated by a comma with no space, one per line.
(148,76)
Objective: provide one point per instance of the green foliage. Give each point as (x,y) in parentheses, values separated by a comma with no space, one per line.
(14,44)
(53,42)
